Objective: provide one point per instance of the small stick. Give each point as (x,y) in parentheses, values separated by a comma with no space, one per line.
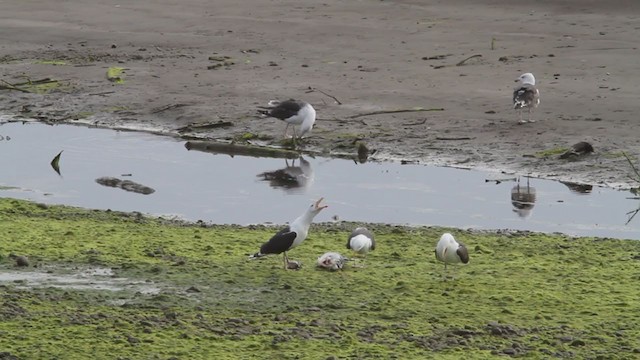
(470,57)
(102,93)
(453,138)
(10,86)
(324,93)
(37,82)
(635,170)
(393,112)
(416,123)
(634,212)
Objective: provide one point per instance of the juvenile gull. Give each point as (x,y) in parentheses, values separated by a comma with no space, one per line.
(526,96)
(291,236)
(450,251)
(331,261)
(293,112)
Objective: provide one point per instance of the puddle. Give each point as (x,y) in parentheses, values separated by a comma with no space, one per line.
(158,175)
(88,279)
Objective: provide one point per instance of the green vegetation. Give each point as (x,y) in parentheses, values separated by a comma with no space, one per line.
(50,62)
(550,152)
(115,74)
(523,294)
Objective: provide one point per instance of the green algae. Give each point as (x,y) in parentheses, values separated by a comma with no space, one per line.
(115,74)
(550,152)
(50,62)
(523,294)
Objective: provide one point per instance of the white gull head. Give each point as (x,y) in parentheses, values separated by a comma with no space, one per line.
(527,78)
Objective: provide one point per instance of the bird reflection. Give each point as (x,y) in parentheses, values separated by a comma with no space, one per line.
(292,178)
(578,188)
(523,199)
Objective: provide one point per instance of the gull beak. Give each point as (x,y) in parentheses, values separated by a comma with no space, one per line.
(318,206)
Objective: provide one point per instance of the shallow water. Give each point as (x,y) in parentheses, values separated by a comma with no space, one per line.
(87,279)
(219,188)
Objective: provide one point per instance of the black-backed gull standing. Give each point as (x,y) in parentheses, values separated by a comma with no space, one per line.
(292,235)
(526,96)
(293,112)
(450,251)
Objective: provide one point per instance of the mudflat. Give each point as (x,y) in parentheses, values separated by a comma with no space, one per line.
(200,68)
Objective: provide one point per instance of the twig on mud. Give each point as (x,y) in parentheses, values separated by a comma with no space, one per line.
(393,112)
(167,107)
(312,89)
(470,57)
(36,82)
(453,138)
(416,123)
(102,93)
(633,167)
(9,86)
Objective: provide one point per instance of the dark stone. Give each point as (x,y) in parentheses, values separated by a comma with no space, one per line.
(578,342)
(22,261)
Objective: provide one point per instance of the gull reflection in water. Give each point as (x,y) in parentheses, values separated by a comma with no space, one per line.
(523,198)
(578,188)
(292,178)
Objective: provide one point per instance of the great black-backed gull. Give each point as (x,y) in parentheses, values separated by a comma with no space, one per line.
(526,96)
(292,235)
(292,178)
(450,251)
(293,112)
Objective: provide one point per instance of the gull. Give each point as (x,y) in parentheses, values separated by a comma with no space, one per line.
(291,236)
(450,251)
(293,112)
(526,96)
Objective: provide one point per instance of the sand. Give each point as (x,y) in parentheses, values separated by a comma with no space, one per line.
(209,64)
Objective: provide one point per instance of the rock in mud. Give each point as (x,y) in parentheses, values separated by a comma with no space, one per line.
(21,261)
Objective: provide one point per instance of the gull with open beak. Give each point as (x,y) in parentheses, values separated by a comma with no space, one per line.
(291,236)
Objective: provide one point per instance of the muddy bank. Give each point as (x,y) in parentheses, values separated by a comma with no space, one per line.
(191,68)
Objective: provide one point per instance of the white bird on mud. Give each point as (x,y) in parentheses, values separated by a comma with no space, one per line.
(450,251)
(291,236)
(361,241)
(293,112)
(331,261)
(526,96)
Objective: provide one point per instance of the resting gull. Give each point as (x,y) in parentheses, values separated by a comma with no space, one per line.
(450,251)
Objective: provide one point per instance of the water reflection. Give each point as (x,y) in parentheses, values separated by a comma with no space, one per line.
(578,188)
(292,178)
(218,183)
(523,199)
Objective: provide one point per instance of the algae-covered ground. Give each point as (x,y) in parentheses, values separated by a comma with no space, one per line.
(523,294)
